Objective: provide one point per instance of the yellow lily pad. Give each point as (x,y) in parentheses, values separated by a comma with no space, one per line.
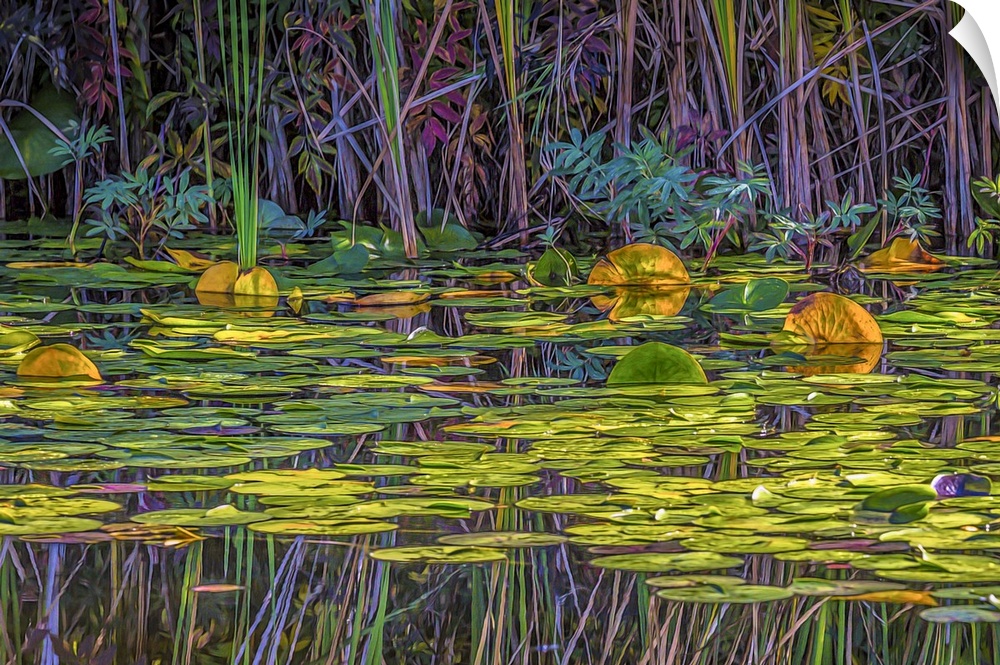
(190,260)
(639,264)
(219,278)
(256,282)
(393,298)
(902,255)
(59,361)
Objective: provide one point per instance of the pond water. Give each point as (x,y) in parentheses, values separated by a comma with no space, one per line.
(444,476)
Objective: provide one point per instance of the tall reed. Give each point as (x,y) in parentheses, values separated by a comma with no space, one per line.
(379,15)
(243,113)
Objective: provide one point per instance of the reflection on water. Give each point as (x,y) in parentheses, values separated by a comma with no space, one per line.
(628,301)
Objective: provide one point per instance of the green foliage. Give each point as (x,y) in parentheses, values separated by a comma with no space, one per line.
(140,207)
(665,201)
(910,208)
(986,192)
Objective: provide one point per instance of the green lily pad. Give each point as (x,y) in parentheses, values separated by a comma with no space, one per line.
(681,562)
(503,539)
(439,554)
(224,515)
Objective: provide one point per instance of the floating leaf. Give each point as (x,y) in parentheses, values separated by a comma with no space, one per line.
(639,264)
(292,527)
(393,298)
(655,363)
(681,562)
(961,614)
(224,515)
(439,554)
(894,498)
(685,581)
(256,283)
(748,593)
(58,361)
(16,342)
(902,255)
(757,295)
(219,278)
(556,267)
(827,318)
(504,539)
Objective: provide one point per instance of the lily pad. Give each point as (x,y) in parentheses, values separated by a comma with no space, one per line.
(439,554)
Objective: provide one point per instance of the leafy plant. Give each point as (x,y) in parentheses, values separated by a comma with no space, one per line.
(666,201)
(140,207)
(986,192)
(910,208)
(78,147)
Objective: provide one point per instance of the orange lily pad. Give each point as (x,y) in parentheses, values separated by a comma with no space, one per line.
(827,318)
(902,255)
(639,264)
(58,361)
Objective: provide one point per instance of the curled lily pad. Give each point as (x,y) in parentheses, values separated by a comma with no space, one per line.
(256,283)
(656,363)
(951,485)
(219,278)
(439,554)
(828,318)
(556,267)
(902,255)
(639,264)
(58,361)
